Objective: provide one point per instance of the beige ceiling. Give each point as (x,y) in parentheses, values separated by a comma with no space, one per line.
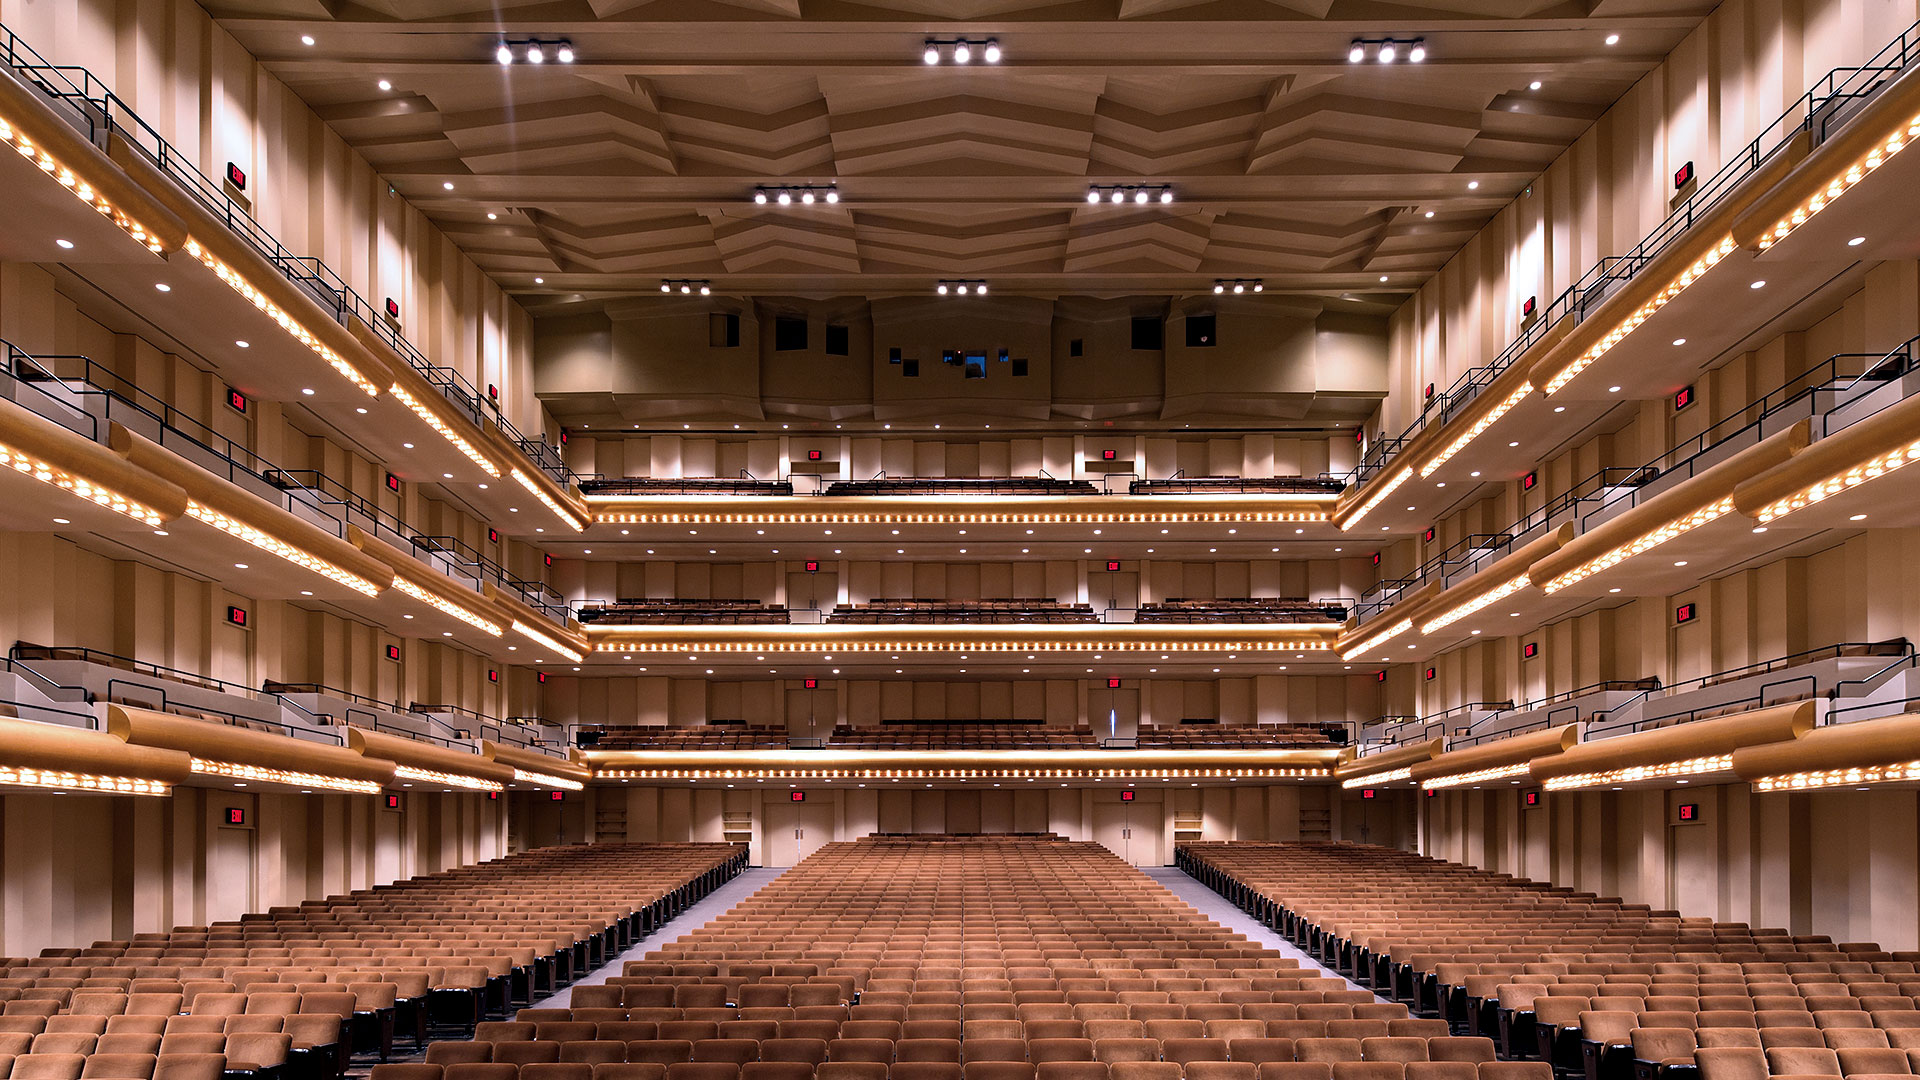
(638,161)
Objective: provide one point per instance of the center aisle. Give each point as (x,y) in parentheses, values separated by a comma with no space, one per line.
(1215,907)
(710,907)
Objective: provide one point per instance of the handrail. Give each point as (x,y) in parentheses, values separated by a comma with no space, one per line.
(1757,699)
(1835,651)
(99,113)
(231,719)
(1811,112)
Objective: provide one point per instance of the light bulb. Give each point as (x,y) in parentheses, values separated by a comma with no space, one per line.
(961,53)
(807,197)
(1387,52)
(685,289)
(786,198)
(980,289)
(1118,195)
(962,290)
(535,55)
(565,54)
(941,289)
(504,53)
(1418,52)
(1259,286)
(1166,194)
(1093,195)
(933,53)
(993,51)
(1239,288)
(1140,195)
(1218,288)
(664,287)
(1357,53)
(706,290)
(833,195)
(760,196)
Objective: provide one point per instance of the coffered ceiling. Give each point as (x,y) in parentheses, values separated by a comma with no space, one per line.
(638,161)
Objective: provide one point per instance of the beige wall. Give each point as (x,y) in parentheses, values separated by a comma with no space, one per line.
(78,869)
(1841,863)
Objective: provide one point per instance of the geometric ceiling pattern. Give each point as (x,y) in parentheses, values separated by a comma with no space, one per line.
(638,161)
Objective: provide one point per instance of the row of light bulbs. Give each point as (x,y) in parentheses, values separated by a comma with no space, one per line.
(961,50)
(962,286)
(1387,50)
(1239,285)
(1118,193)
(803,193)
(704,288)
(533,51)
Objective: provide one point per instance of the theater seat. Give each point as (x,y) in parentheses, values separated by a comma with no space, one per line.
(199,1067)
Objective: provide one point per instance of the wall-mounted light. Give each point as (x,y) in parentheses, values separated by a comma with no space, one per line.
(1387,50)
(804,194)
(533,51)
(961,287)
(686,286)
(1239,285)
(961,50)
(1138,194)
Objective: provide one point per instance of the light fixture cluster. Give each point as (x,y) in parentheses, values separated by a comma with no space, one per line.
(548,780)
(1139,194)
(1372,779)
(1387,488)
(1633,773)
(1856,172)
(262,774)
(961,287)
(1497,772)
(448,607)
(830,645)
(275,545)
(804,194)
(274,311)
(961,50)
(1238,285)
(460,443)
(1387,50)
(533,51)
(1868,470)
(1374,640)
(1641,544)
(1473,431)
(1641,314)
(542,637)
(1825,778)
(20,461)
(80,189)
(448,779)
(903,517)
(549,502)
(22,776)
(1460,611)
(1015,773)
(686,286)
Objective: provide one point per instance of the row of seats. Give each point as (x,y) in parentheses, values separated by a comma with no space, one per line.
(1010,735)
(962,485)
(1002,610)
(683,611)
(688,485)
(1589,984)
(978,1070)
(1240,609)
(1214,485)
(1215,736)
(702,737)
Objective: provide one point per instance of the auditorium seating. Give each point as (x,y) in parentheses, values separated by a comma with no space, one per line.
(1234,485)
(295,991)
(1240,609)
(704,737)
(687,485)
(1591,985)
(962,485)
(966,958)
(1016,610)
(1009,735)
(682,611)
(1210,736)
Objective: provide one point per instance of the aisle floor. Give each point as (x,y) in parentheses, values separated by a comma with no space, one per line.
(1215,907)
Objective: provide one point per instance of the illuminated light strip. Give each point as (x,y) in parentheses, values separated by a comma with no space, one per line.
(420,410)
(1834,485)
(1380,638)
(447,606)
(952,646)
(20,461)
(279,315)
(559,511)
(1498,772)
(21,776)
(1632,773)
(1821,199)
(1473,432)
(1825,778)
(1641,314)
(281,548)
(1645,543)
(450,779)
(1377,778)
(547,780)
(1209,517)
(261,773)
(1375,500)
(80,189)
(1461,611)
(549,641)
(1296,773)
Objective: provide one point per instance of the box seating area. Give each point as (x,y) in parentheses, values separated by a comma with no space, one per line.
(686,485)
(704,737)
(677,611)
(1240,609)
(1216,485)
(962,485)
(1594,986)
(966,958)
(1012,735)
(294,992)
(1215,736)
(1017,610)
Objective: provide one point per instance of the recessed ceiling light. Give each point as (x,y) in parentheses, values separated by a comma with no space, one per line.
(1856,241)
(67,244)
(1679,341)
(243,344)
(408,445)
(307,390)
(1534,85)
(306,592)
(306,39)
(543,281)
(1758,285)
(361,409)
(448,185)
(1858,517)
(163,286)
(1614,589)
(1513,444)
(385,85)
(239,566)
(1611,390)
(61,521)
(1613,39)
(1473,185)
(1759,528)
(1680,562)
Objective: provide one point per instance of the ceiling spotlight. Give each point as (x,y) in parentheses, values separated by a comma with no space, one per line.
(1419,50)
(1166,194)
(1093,195)
(685,288)
(992,51)
(1239,285)
(1357,53)
(706,289)
(1119,195)
(961,286)
(962,290)
(786,197)
(1613,39)
(565,52)
(504,53)
(932,55)
(833,194)
(941,288)
(1140,195)
(980,289)
(1534,85)
(961,52)
(664,287)
(807,196)
(306,39)
(385,85)
(1219,288)
(1387,52)
(760,196)
(1239,288)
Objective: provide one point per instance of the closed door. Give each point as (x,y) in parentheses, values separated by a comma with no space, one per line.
(794,831)
(1131,830)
